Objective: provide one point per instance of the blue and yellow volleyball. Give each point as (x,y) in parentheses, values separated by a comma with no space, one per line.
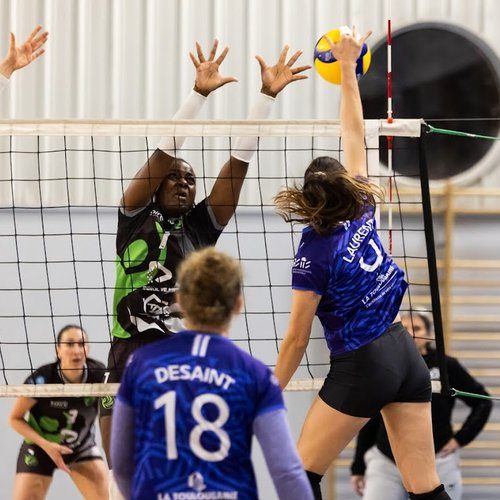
(328,67)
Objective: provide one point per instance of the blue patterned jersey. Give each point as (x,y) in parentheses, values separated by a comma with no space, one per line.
(195,397)
(361,287)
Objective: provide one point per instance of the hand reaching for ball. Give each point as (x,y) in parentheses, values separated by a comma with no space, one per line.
(348,49)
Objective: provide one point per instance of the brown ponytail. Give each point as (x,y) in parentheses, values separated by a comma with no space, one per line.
(328,197)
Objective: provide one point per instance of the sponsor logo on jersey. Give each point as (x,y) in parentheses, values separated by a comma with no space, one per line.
(57,403)
(88,401)
(107,402)
(385,283)
(196,481)
(302,263)
(30,459)
(198,495)
(156,215)
(154,306)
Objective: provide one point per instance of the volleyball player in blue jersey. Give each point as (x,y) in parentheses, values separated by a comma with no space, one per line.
(19,56)
(343,275)
(189,405)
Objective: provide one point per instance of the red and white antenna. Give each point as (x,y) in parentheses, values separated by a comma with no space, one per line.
(389,120)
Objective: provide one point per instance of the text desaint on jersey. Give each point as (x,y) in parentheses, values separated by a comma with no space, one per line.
(208,375)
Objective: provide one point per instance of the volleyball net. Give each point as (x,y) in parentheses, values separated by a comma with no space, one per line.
(60,187)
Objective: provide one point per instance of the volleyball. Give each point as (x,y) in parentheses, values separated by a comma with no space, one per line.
(328,67)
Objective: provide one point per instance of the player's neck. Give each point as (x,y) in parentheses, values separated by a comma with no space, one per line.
(219,330)
(72,375)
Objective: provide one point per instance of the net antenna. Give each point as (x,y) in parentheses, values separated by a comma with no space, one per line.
(389,120)
(59,196)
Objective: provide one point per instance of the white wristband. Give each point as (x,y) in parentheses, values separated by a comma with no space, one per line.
(245,147)
(4,82)
(189,109)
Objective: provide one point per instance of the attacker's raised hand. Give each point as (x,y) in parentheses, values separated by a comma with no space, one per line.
(348,48)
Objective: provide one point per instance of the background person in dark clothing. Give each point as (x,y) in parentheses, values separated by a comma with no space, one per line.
(374,473)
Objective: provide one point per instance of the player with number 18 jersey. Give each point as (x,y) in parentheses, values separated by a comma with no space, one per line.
(195,397)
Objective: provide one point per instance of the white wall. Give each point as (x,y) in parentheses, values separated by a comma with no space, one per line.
(125,59)
(129,58)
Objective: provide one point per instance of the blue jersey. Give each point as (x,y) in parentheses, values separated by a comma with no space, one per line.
(361,287)
(195,397)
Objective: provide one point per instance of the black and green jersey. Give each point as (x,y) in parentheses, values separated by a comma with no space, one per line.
(68,421)
(150,246)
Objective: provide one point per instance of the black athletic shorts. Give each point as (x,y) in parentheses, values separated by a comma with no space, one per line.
(118,355)
(388,370)
(32,459)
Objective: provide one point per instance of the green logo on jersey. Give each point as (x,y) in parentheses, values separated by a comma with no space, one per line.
(47,427)
(88,401)
(30,460)
(108,402)
(127,281)
(49,424)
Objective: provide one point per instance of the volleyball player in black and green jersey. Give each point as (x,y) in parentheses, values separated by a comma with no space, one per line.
(159,223)
(59,431)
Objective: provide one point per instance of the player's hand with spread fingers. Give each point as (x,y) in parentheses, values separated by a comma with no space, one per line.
(349,47)
(19,56)
(208,77)
(276,78)
(56,451)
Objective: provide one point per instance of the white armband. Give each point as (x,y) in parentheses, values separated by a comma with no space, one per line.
(189,109)
(245,147)
(4,82)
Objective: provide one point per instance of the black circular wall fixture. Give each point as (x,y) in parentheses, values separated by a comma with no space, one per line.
(439,71)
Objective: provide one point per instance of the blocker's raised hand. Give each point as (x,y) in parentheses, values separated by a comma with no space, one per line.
(208,77)
(19,56)
(276,78)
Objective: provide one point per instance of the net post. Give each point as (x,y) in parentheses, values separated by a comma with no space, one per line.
(432,267)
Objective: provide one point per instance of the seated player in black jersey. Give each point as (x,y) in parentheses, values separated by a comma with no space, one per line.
(59,432)
(374,473)
(19,56)
(159,223)
(189,405)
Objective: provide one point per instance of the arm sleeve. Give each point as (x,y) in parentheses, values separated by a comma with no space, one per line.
(480,408)
(272,431)
(366,439)
(269,397)
(122,450)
